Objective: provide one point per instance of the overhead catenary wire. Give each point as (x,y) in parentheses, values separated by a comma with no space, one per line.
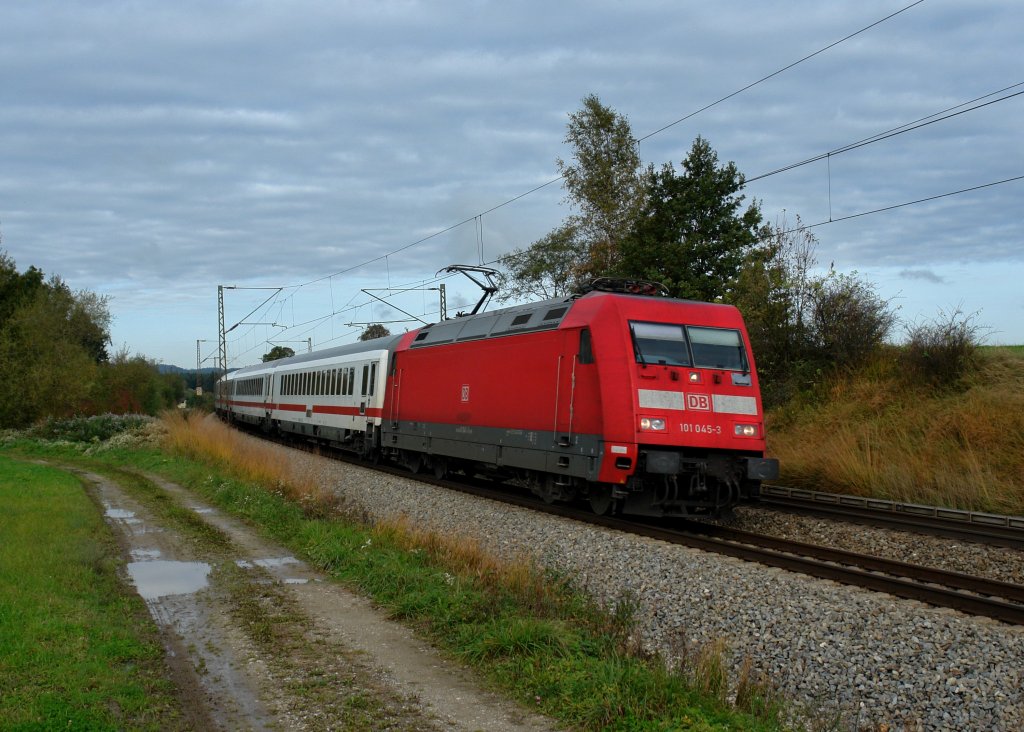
(535,189)
(785,68)
(921,122)
(907,203)
(908,127)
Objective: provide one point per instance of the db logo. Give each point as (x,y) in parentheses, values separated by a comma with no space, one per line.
(465,392)
(698,402)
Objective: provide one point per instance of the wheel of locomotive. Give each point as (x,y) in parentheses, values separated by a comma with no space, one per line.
(548,489)
(601,501)
(416,462)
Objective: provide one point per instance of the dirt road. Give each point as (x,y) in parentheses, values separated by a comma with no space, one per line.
(257,639)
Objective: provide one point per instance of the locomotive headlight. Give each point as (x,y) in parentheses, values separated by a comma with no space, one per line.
(746,430)
(655,424)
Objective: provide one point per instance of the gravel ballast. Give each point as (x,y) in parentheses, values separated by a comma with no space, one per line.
(868,658)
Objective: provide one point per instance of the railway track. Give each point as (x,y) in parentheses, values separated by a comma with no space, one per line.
(973,526)
(969,594)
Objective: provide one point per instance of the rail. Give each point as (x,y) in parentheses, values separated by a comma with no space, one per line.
(975,526)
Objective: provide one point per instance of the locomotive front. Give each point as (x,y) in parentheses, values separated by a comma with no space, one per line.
(683,423)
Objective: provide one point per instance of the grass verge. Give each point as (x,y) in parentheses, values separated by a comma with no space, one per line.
(878,435)
(77,647)
(530,634)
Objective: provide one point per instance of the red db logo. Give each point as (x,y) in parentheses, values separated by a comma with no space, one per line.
(698,402)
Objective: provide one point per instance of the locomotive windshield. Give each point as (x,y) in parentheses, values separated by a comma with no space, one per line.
(672,345)
(660,343)
(717,348)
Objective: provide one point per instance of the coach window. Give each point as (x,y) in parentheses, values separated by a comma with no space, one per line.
(586,347)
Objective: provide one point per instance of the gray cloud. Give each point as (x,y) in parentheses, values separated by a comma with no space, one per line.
(923,275)
(155,150)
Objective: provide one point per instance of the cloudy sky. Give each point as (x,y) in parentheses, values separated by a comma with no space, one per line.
(151,151)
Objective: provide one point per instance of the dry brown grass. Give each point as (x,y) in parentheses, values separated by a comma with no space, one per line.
(464,556)
(204,438)
(878,435)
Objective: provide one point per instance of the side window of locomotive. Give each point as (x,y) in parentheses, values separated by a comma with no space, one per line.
(717,348)
(586,347)
(659,343)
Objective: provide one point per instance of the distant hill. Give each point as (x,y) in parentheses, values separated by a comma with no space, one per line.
(166,368)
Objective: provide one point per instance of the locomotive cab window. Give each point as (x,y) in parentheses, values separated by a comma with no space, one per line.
(659,343)
(718,348)
(586,347)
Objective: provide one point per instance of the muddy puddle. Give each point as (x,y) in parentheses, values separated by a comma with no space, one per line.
(155,578)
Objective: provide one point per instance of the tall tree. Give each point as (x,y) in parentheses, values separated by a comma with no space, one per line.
(604,180)
(16,289)
(693,233)
(605,185)
(51,340)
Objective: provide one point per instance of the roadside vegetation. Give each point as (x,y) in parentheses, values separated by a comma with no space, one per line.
(77,647)
(530,633)
(889,431)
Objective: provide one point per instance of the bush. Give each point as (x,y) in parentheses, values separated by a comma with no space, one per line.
(942,351)
(89,429)
(804,327)
(850,322)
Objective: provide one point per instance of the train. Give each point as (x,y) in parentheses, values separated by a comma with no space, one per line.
(621,397)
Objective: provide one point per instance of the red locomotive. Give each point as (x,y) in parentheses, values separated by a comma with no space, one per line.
(641,404)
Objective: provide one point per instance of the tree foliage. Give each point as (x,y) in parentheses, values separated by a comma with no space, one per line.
(278,352)
(53,354)
(693,233)
(134,385)
(374,330)
(803,326)
(605,185)
(553,266)
(604,181)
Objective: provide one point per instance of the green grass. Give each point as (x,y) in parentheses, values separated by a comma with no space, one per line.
(77,648)
(538,640)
